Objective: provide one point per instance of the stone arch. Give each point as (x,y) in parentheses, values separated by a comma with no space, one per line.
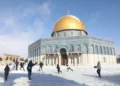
(11,58)
(96,49)
(85,48)
(110,51)
(107,50)
(71,48)
(104,49)
(37,51)
(113,51)
(56,48)
(78,48)
(50,49)
(43,49)
(101,51)
(92,48)
(64,57)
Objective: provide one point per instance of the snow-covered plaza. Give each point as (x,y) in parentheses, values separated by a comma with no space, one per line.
(81,76)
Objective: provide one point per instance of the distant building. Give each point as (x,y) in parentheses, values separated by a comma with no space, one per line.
(11,57)
(70,44)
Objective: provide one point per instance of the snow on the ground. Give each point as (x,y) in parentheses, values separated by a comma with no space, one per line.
(81,76)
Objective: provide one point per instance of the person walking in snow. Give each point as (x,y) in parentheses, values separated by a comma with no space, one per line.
(16,64)
(68,68)
(29,68)
(98,69)
(41,65)
(7,69)
(22,66)
(58,69)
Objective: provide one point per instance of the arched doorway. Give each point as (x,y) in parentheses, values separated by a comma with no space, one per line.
(64,58)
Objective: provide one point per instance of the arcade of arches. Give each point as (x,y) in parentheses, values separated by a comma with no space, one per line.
(6,57)
(63,58)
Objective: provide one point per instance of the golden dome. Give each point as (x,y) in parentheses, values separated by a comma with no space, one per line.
(69,22)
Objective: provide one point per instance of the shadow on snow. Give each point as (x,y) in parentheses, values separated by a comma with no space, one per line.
(111,78)
(20,79)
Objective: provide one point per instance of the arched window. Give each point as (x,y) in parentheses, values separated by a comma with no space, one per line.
(79,33)
(96,49)
(104,50)
(64,33)
(92,48)
(50,49)
(56,48)
(44,50)
(101,52)
(35,52)
(78,48)
(32,53)
(85,49)
(71,48)
(58,34)
(107,51)
(110,51)
(39,51)
(113,51)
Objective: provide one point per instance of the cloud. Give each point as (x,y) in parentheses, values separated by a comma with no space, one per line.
(44,10)
(94,18)
(26,25)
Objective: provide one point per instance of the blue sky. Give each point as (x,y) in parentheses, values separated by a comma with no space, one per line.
(25,21)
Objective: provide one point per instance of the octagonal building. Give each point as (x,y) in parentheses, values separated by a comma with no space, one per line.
(70,44)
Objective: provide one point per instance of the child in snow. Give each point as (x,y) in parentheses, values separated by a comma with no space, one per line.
(98,69)
(68,68)
(22,66)
(58,68)
(7,69)
(41,65)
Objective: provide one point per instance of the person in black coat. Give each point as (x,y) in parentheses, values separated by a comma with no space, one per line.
(29,68)
(22,66)
(58,69)
(41,65)
(7,69)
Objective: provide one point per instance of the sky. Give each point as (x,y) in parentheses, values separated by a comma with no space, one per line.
(22,22)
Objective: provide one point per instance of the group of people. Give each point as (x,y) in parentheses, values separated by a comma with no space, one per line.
(29,68)
(30,65)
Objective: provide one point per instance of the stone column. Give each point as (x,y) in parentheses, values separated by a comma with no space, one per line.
(59,59)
